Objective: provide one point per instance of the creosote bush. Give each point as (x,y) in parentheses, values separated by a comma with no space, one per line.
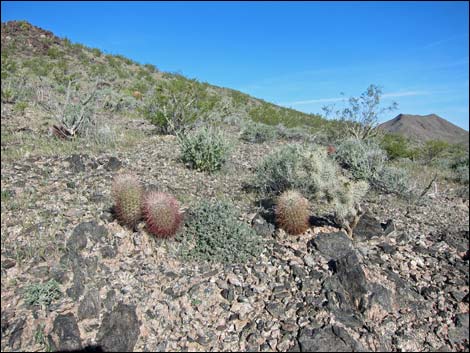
(205,149)
(292,212)
(214,233)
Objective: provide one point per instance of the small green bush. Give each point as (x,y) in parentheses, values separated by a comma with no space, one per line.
(96,52)
(214,233)
(205,149)
(258,133)
(363,158)
(151,68)
(42,294)
(20,107)
(54,53)
(433,150)
(397,146)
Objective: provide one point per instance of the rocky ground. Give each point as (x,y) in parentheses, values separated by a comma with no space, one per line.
(401,285)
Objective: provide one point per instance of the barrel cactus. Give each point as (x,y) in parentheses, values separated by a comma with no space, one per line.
(162,214)
(292,212)
(127,193)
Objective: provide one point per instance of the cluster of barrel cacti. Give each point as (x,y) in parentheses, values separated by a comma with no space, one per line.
(160,210)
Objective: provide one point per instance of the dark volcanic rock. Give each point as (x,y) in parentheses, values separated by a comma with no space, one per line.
(333,245)
(86,230)
(367,228)
(113,164)
(90,305)
(65,335)
(352,278)
(76,163)
(14,341)
(327,339)
(261,226)
(119,330)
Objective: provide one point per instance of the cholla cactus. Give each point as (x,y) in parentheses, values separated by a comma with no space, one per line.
(127,193)
(292,212)
(309,170)
(347,205)
(162,214)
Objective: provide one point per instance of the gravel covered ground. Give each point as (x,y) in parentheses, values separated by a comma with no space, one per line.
(401,285)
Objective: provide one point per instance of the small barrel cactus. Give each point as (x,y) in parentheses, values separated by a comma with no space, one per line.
(127,193)
(292,212)
(162,214)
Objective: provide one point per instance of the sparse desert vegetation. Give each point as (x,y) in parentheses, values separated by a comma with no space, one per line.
(142,210)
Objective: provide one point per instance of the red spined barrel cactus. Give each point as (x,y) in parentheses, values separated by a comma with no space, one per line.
(162,214)
(292,212)
(127,193)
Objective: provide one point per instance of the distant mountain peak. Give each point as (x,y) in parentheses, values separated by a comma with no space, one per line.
(425,127)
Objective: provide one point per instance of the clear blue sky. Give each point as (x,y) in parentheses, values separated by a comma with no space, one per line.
(297,54)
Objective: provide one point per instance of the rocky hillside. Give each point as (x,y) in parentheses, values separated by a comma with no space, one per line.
(74,278)
(425,127)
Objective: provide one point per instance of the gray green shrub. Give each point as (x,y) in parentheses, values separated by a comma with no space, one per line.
(42,294)
(258,132)
(204,149)
(392,180)
(366,160)
(214,233)
(462,174)
(363,158)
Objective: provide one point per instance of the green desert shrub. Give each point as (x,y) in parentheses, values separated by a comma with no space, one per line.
(258,133)
(205,149)
(42,294)
(397,146)
(214,233)
(433,150)
(308,169)
(363,158)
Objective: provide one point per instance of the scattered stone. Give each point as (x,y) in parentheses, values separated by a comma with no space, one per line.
(65,335)
(275,309)
(119,329)
(113,164)
(262,227)
(333,245)
(367,228)
(76,163)
(8,263)
(89,306)
(327,339)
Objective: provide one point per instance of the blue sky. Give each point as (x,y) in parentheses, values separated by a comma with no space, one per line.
(297,54)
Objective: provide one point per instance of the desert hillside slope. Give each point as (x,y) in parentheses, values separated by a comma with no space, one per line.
(74,277)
